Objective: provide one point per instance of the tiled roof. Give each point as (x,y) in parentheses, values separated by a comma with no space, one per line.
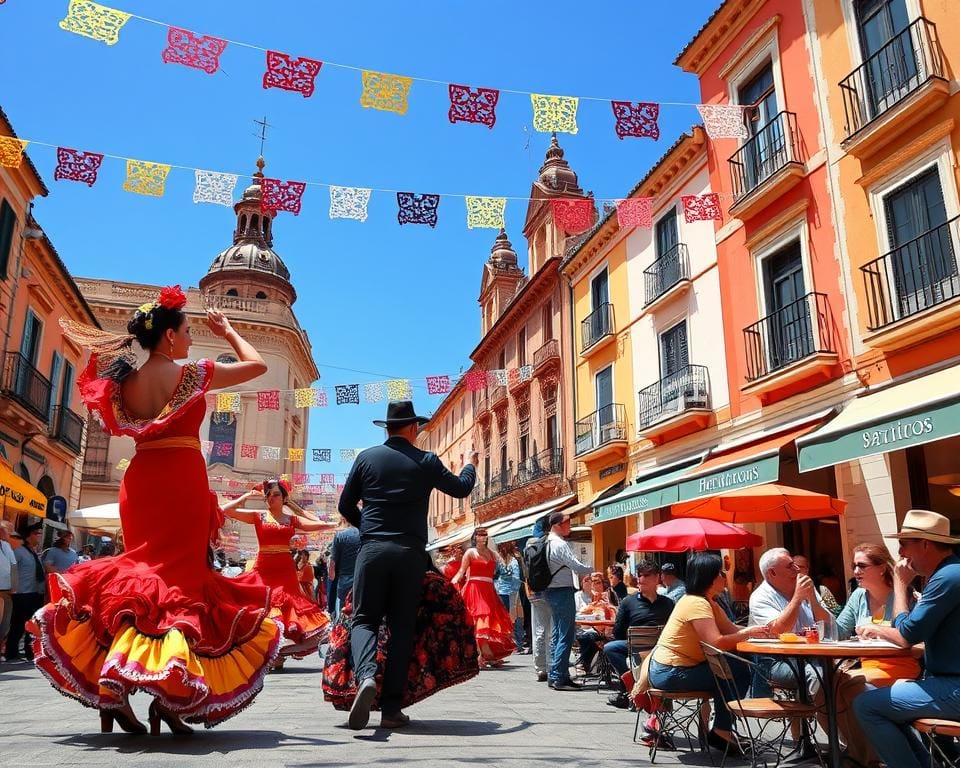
(26,157)
(706,24)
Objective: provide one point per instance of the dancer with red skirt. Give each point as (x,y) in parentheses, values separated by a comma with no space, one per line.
(493,622)
(158,618)
(305,624)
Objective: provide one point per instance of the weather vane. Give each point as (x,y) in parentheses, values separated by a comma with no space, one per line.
(262,133)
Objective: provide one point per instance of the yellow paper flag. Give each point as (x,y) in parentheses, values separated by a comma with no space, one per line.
(385,92)
(303,398)
(11,151)
(554,113)
(145,178)
(228,402)
(486,212)
(295,454)
(84,17)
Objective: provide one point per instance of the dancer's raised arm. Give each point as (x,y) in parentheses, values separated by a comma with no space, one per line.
(244,516)
(250,364)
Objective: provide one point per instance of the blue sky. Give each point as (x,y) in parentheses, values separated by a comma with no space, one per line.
(375,297)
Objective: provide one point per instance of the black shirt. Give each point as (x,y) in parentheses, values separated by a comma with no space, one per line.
(395,481)
(637,611)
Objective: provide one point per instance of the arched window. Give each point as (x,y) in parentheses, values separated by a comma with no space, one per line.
(45,486)
(243,223)
(266,227)
(22,471)
(232,292)
(255,222)
(261,295)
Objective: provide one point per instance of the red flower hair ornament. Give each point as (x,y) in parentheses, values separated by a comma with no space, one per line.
(172,297)
(282,483)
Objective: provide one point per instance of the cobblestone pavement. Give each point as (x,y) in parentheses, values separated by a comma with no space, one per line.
(501,718)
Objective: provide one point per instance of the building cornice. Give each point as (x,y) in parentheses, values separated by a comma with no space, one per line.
(714,36)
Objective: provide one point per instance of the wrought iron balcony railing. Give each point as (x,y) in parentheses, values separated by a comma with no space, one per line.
(497,395)
(665,272)
(596,325)
(603,426)
(916,276)
(798,330)
(899,68)
(67,427)
(773,147)
(24,384)
(97,471)
(549,351)
(684,389)
(540,465)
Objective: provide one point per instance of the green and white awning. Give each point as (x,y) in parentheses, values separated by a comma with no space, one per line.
(914,412)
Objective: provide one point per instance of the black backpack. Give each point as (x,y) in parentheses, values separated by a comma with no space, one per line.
(537,562)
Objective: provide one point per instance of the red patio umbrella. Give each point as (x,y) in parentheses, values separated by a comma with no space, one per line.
(681,534)
(768,503)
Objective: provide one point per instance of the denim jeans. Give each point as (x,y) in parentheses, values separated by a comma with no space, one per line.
(564,610)
(700,678)
(541,627)
(616,652)
(886,714)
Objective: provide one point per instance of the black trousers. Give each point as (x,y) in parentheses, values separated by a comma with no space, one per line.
(24,606)
(387,583)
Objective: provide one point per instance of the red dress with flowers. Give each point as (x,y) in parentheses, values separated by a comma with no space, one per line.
(305,625)
(158,618)
(494,625)
(444,651)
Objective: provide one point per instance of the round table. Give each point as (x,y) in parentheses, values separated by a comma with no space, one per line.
(598,624)
(828,654)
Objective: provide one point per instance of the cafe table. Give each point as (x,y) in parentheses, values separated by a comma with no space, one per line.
(829,654)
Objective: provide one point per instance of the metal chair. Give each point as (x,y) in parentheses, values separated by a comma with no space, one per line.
(765,709)
(930,728)
(640,642)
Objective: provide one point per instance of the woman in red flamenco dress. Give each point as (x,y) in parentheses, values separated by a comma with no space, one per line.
(158,618)
(493,622)
(305,624)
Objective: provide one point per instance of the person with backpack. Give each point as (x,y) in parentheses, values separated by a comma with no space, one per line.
(563,568)
(541,620)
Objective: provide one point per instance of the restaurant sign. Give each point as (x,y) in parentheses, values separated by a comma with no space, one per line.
(639,502)
(936,423)
(752,472)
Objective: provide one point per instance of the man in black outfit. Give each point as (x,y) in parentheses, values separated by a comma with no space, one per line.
(644,609)
(394,481)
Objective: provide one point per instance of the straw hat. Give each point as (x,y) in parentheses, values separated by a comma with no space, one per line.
(924,524)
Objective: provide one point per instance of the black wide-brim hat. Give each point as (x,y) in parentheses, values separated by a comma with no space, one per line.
(400,412)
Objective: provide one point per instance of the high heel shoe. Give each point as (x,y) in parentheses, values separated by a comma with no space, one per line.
(174,723)
(125,720)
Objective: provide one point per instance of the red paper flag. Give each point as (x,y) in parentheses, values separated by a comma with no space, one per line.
(197,51)
(635,212)
(573,216)
(73,165)
(475,380)
(248,451)
(279,195)
(636,118)
(268,400)
(701,207)
(473,105)
(291,74)
(300,477)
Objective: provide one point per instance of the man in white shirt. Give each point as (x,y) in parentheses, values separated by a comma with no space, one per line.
(8,579)
(560,596)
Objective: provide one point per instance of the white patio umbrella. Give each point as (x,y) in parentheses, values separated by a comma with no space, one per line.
(104,517)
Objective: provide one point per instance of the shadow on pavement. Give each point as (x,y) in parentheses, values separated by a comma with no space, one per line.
(444,728)
(200,743)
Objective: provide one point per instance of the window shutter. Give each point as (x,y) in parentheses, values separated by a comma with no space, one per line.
(55,364)
(7,219)
(66,393)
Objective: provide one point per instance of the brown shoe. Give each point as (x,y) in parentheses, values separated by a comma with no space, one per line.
(394,720)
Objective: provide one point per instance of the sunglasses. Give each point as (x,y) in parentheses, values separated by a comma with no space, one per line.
(862,566)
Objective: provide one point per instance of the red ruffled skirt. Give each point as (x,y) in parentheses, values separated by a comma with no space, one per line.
(493,622)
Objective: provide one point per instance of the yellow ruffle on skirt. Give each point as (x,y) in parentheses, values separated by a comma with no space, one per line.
(200,689)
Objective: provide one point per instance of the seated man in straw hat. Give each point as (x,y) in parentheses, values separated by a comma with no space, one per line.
(927,549)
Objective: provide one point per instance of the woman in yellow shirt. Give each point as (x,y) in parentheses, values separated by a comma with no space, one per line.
(678,662)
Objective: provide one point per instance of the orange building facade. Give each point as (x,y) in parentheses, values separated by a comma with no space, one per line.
(886,72)
(41,417)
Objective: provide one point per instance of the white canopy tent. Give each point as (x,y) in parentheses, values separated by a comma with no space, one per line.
(104,517)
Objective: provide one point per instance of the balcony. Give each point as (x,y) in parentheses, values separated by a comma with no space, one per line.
(67,427)
(602,433)
(899,84)
(596,330)
(547,357)
(23,384)
(766,166)
(668,276)
(904,285)
(482,408)
(498,396)
(789,348)
(547,463)
(677,404)
(97,472)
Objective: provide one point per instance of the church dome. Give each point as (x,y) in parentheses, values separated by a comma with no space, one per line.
(250,256)
(556,173)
